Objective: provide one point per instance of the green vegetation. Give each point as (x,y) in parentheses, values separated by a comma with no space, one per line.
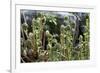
(59,45)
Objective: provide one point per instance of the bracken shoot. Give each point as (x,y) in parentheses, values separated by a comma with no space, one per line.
(48,36)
